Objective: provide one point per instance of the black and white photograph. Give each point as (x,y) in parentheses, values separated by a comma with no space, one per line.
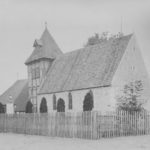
(74,74)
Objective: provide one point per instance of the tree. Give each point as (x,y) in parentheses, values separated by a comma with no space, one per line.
(88,102)
(29,107)
(97,39)
(43,106)
(131,98)
(2,110)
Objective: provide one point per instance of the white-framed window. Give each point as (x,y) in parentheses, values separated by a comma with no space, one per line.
(35,73)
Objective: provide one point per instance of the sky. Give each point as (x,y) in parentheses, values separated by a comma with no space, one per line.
(70,22)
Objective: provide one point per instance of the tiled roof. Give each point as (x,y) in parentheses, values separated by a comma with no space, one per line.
(92,66)
(45,47)
(18,93)
(22,99)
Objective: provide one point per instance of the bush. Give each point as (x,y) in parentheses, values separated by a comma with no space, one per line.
(61,105)
(29,107)
(88,102)
(131,100)
(2,110)
(104,37)
(43,106)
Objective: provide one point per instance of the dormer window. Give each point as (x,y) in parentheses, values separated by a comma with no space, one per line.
(37,43)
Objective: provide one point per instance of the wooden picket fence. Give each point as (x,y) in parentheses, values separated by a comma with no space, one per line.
(86,125)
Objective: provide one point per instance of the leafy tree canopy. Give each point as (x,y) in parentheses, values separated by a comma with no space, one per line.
(60,105)
(43,106)
(88,102)
(29,107)
(96,39)
(131,99)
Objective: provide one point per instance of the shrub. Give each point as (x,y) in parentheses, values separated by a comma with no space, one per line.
(29,107)
(43,106)
(2,110)
(88,102)
(131,99)
(60,105)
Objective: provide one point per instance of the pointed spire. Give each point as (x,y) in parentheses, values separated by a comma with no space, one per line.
(45,47)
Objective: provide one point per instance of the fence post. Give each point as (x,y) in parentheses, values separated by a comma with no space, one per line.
(25,123)
(95,125)
(90,125)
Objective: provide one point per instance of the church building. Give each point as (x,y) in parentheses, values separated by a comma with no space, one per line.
(100,71)
(45,52)
(97,71)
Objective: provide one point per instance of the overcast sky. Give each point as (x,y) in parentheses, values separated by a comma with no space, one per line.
(70,22)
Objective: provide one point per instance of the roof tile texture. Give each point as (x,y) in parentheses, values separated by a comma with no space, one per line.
(48,49)
(92,66)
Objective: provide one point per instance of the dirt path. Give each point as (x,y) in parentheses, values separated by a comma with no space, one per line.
(26,142)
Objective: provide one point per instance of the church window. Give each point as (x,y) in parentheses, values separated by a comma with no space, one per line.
(70,101)
(36,73)
(33,74)
(54,102)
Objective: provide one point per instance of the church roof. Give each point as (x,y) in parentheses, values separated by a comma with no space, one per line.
(92,66)
(22,99)
(45,47)
(17,93)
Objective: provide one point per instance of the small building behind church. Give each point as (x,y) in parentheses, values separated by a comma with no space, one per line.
(14,99)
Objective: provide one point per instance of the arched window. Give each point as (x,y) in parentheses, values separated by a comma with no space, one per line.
(54,102)
(69,101)
(60,105)
(88,102)
(43,105)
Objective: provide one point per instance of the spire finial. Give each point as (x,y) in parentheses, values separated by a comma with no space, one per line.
(45,24)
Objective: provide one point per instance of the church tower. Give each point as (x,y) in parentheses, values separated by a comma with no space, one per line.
(44,53)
